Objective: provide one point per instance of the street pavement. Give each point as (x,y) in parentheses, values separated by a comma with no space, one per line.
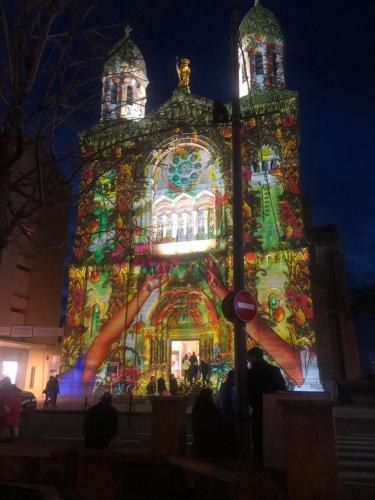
(355,448)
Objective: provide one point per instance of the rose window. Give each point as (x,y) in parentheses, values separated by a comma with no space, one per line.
(184,169)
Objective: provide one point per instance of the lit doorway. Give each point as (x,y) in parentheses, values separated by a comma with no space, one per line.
(9,369)
(178,350)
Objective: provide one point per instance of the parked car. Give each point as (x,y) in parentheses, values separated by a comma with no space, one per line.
(28,400)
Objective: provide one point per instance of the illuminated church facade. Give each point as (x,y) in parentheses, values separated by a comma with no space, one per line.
(153,249)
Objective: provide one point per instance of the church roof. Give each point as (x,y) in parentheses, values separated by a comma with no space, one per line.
(261,21)
(125,56)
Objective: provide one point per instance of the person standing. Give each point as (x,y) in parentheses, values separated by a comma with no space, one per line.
(151,386)
(10,410)
(262,378)
(162,389)
(49,391)
(226,396)
(173,386)
(207,427)
(14,405)
(205,372)
(185,366)
(100,424)
(193,369)
(56,391)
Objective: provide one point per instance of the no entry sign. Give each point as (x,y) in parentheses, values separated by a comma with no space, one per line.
(241,304)
(245,306)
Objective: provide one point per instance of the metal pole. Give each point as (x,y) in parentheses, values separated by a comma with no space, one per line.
(242,412)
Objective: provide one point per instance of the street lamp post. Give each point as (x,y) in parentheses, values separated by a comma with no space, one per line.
(243,436)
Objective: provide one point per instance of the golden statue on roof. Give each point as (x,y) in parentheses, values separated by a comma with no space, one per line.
(183,71)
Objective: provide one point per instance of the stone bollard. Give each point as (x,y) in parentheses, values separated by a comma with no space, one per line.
(168,427)
(309,449)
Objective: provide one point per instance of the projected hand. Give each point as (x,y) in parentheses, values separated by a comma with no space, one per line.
(213,278)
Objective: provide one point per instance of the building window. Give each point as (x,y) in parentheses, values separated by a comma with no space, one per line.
(190,227)
(114,93)
(180,227)
(159,228)
(275,64)
(129,95)
(169,226)
(243,68)
(211,223)
(201,225)
(259,64)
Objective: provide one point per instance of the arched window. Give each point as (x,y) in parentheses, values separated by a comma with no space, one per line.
(114,93)
(259,70)
(129,95)
(186,212)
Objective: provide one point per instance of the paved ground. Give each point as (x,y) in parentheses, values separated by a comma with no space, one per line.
(355,445)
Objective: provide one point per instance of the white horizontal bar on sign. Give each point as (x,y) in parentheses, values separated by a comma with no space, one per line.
(48,331)
(245,305)
(21,331)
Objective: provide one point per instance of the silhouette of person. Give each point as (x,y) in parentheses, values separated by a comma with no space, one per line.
(205,372)
(226,396)
(185,366)
(162,388)
(56,391)
(151,386)
(100,424)
(262,378)
(207,426)
(173,386)
(193,368)
(49,391)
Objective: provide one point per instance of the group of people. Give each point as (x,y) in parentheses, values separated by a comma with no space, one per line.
(51,391)
(192,370)
(159,386)
(213,424)
(10,410)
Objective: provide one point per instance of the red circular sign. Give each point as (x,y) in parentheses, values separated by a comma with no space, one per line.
(245,306)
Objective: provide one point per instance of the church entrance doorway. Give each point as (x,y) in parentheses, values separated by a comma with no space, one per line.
(178,350)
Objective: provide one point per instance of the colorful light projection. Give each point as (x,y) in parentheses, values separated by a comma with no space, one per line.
(153,259)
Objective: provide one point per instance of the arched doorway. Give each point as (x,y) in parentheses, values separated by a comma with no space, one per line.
(184,321)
